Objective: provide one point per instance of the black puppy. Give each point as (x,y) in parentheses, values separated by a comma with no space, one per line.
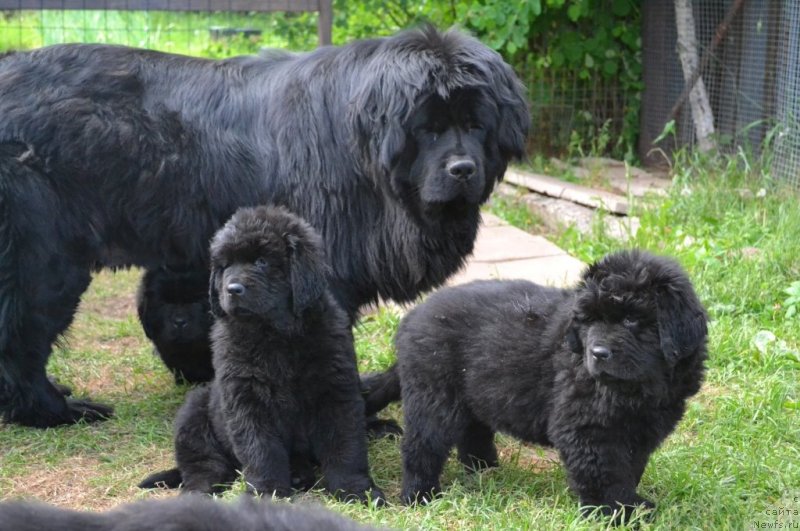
(186,513)
(286,387)
(601,372)
(174,310)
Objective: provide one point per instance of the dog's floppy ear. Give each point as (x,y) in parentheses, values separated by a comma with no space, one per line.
(381,102)
(213,292)
(681,322)
(307,267)
(513,114)
(574,339)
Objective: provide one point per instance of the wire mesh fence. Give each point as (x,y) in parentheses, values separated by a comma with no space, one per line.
(200,27)
(751,70)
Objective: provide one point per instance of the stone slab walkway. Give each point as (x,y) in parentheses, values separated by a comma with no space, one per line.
(503,251)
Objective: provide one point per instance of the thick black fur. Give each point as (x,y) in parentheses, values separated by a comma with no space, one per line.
(112,156)
(601,372)
(286,390)
(175,314)
(185,513)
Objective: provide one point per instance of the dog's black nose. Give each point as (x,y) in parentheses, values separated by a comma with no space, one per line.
(461,169)
(601,353)
(179,322)
(234,288)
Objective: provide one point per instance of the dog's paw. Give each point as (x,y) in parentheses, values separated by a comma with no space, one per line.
(372,496)
(419,496)
(61,388)
(621,512)
(88,411)
(380,428)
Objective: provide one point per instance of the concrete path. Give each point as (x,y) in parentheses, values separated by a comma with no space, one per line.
(503,251)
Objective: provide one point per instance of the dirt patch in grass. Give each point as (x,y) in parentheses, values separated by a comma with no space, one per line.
(110,307)
(68,484)
(530,457)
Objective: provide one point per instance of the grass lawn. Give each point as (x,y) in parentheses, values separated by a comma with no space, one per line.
(734,458)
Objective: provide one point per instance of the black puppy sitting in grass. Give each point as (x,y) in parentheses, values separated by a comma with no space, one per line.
(286,390)
(601,372)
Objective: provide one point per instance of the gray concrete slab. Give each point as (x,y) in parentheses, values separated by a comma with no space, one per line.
(503,251)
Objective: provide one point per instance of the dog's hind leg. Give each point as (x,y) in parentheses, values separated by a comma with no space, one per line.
(202,465)
(41,281)
(476,449)
(429,436)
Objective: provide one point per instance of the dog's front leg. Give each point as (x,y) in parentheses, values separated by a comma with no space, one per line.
(258,444)
(265,462)
(603,471)
(340,442)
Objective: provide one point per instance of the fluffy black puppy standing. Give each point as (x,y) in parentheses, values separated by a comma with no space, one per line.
(286,390)
(186,513)
(174,311)
(112,156)
(601,372)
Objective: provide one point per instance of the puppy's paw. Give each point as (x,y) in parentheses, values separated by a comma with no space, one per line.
(413,496)
(380,428)
(621,512)
(267,490)
(373,496)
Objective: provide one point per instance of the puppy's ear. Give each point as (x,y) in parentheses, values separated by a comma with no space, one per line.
(574,339)
(307,269)
(681,322)
(213,292)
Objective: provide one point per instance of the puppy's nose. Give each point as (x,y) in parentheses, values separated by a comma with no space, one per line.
(179,322)
(601,353)
(234,288)
(461,169)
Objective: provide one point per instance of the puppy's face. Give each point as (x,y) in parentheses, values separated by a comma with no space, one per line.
(174,308)
(619,340)
(252,281)
(447,160)
(637,319)
(267,264)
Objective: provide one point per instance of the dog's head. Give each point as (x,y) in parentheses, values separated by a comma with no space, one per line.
(173,306)
(637,317)
(266,264)
(439,118)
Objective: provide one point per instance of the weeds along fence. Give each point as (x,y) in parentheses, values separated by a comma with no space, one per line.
(200,27)
(749,61)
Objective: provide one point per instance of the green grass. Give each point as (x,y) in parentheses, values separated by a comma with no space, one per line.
(735,455)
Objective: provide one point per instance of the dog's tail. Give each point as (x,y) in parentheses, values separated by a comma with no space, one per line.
(380,389)
(166,479)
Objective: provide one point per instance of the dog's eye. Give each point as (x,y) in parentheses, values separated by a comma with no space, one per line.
(260,262)
(630,323)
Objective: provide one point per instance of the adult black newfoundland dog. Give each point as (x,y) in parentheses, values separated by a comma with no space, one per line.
(112,156)
(175,314)
(286,391)
(601,372)
(187,513)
